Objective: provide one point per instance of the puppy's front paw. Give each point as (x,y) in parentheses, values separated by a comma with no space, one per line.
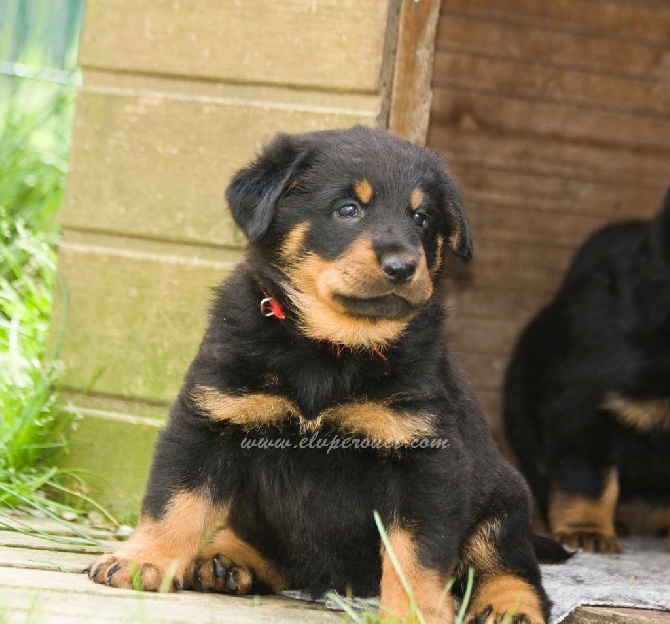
(145,572)
(591,541)
(220,574)
(506,598)
(488,615)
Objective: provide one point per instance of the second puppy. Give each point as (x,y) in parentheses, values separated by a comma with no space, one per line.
(587,395)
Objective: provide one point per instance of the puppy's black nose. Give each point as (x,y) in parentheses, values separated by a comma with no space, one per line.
(398,269)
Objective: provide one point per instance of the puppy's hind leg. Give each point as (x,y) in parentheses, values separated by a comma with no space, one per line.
(230,565)
(506,579)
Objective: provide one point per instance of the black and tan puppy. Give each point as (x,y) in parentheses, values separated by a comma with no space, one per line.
(323,391)
(587,395)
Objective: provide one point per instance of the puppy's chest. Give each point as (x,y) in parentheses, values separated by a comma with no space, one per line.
(390,420)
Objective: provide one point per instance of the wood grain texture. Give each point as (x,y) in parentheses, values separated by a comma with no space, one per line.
(464,141)
(65,595)
(325,44)
(550,121)
(532,80)
(136,314)
(515,185)
(537,42)
(637,20)
(411,95)
(154,163)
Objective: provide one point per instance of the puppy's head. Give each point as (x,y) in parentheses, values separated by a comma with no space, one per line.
(356,223)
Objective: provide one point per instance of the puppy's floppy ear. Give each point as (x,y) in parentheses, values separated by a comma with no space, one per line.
(255,190)
(460,238)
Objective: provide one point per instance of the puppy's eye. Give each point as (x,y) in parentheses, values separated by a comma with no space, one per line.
(349,211)
(420,219)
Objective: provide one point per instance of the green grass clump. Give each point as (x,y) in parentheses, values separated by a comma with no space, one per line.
(39,41)
(38,74)
(35,122)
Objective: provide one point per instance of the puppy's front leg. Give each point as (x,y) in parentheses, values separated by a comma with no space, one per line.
(179,510)
(161,546)
(429,592)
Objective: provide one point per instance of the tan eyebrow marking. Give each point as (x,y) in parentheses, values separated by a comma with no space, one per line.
(363,190)
(415,199)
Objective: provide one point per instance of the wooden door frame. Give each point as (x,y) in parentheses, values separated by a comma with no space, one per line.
(411,94)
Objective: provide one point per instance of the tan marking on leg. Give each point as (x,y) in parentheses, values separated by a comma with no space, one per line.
(415,199)
(251,411)
(427,585)
(363,190)
(644,414)
(479,551)
(585,522)
(161,545)
(506,594)
(379,422)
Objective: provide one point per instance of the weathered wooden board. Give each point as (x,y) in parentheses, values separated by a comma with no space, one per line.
(640,20)
(613,615)
(116,450)
(156,164)
(637,20)
(43,584)
(329,44)
(70,597)
(481,335)
(498,301)
(518,265)
(515,40)
(42,581)
(28,558)
(14,540)
(513,116)
(410,93)
(465,141)
(555,195)
(530,79)
(509,223)
(136,313)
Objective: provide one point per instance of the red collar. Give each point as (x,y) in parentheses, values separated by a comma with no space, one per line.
(271,307)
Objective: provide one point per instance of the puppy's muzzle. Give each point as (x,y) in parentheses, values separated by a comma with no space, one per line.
(398,268)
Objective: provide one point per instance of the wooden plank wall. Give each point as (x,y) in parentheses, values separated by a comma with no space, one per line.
(555,119)
(176,96)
